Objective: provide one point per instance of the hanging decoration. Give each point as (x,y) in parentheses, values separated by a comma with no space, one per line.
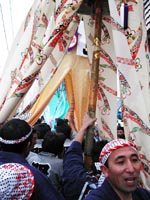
(73,42)
(82,43)
(124,14)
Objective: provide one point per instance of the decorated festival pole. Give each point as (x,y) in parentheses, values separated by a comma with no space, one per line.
(94,82)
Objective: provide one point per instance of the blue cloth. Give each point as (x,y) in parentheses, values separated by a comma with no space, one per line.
(105,192)
(75,176)
(57,107)
(43,187)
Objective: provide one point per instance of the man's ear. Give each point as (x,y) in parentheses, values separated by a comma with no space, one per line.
(104,169)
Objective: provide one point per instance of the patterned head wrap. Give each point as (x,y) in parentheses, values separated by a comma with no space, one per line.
(113,145)
(16,182)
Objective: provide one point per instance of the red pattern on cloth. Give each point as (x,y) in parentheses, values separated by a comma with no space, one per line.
(17,182)
(113,145)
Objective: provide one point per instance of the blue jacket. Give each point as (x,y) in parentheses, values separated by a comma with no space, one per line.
(75,175)
(106,192)
(43,187)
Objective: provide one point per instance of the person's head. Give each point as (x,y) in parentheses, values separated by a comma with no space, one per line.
(42,129)
(16,136)
(121,165)
(96,150)
(62,126)
(17,182)
(120,132)
(53,143)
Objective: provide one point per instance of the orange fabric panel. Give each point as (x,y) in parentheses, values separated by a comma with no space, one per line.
(77,86)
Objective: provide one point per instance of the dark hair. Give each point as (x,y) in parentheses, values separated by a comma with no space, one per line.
(39,121)
(62,126)
(42,129)
(119,127)
(53,143)
(97,148)
(12,130)
(106,163)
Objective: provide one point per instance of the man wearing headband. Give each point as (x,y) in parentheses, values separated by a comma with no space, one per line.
(121,167)
(15,144)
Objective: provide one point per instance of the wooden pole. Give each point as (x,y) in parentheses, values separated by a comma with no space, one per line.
(94,82)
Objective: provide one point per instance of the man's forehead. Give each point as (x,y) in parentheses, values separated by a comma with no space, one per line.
(124,152)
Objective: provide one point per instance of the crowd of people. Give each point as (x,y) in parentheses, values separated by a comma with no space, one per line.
(36,164)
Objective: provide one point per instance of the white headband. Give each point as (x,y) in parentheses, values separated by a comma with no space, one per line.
(17,141)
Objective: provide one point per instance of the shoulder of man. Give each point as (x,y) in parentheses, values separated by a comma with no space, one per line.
(43,187)
(105,191)
(142,194)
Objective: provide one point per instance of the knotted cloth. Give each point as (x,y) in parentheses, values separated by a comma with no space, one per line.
(113,145)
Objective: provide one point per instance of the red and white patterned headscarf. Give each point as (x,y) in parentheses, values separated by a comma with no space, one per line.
(16,182)
(113,145)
